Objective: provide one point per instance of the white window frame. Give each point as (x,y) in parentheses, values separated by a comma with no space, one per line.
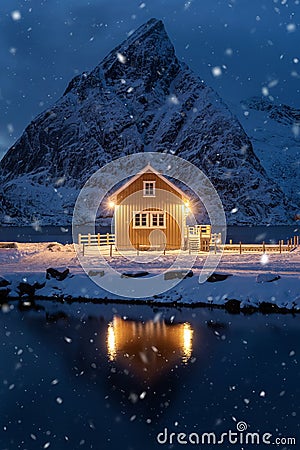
(149,220)
(145,194)
(139,213)
(158,213)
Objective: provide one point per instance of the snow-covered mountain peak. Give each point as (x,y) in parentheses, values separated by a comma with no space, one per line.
(139,98)
(150,36)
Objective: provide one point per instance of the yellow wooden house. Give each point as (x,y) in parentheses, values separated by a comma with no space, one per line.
(149,212)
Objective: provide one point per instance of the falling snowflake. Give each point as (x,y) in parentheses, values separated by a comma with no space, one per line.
(264,259)
(157,318)
(187,4)
(216,71)
(36,225)
(272,83)
(229,52)
(10,128)
(16,15)
(296,130)
(295,74)
(291,27)
(121,58)
(173,99)
(144,357)
(133,397)
(5,308)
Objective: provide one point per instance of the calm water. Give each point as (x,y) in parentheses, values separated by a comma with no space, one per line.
(64,234)
(93,380)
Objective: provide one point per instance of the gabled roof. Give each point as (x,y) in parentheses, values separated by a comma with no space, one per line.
(146,169)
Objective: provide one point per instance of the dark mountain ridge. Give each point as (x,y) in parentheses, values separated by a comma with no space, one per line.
(139,98)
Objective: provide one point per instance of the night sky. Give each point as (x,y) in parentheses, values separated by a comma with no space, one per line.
(43,44)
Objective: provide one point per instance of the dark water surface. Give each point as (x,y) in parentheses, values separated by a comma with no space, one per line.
(244,234)
(113,377)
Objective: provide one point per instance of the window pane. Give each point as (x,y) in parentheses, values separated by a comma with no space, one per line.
(144,220)
(137,221)
(161,220)
(154,220)
(149,188)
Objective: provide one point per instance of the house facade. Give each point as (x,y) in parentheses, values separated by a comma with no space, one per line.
(150,212)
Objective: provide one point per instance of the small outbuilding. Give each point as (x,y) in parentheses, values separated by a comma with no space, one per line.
(149,212)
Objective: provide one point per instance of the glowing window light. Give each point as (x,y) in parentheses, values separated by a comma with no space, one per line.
(187,342)
(111,342)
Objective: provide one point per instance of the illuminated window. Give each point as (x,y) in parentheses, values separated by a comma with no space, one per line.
(144,220)
(157,220)
(141,220)
(149,219)
(137,220)
(149,189)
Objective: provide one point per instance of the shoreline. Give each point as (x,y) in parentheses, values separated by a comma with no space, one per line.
(265,308)
(251,284)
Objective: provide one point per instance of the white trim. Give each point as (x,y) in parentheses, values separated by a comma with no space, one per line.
(144,188)
(151,214)
(149,220)
(146,169)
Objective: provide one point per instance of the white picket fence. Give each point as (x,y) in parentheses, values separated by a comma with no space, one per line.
(198,241)
(97,242)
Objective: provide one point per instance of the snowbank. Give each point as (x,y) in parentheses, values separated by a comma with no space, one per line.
(241,282)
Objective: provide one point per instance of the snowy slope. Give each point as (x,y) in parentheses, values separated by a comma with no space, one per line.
(140,97)
(275,134)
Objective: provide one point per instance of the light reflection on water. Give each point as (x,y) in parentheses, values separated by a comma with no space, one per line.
(123,381)
(147,348)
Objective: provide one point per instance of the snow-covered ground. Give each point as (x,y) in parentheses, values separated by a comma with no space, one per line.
(254,279)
